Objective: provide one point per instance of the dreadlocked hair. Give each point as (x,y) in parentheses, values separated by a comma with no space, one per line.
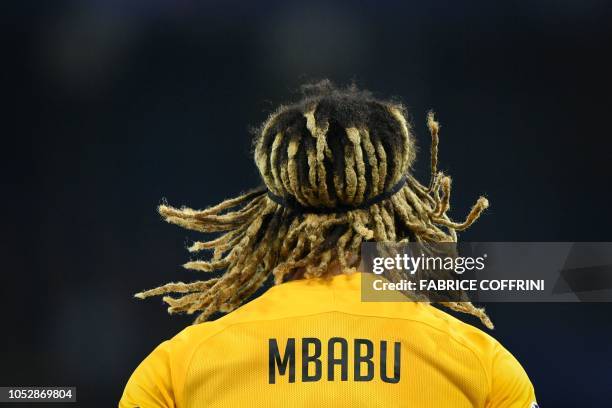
(334,148)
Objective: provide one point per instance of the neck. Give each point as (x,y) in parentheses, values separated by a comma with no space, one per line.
(333,269)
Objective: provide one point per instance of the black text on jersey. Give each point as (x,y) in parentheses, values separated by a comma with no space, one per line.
(355,360)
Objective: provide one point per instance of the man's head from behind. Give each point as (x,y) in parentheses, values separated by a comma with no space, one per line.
(334,148)
(336,169)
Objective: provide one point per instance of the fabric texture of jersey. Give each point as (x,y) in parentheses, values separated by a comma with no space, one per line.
(314,343)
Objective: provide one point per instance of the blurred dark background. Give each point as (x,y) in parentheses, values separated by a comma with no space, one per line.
(113,105)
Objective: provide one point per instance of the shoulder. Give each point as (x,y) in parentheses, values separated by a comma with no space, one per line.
(159,379)
(509,385)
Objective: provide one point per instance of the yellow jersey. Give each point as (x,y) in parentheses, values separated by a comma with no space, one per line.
(310,343)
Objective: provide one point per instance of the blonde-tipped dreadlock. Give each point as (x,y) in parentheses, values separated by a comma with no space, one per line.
(333,149)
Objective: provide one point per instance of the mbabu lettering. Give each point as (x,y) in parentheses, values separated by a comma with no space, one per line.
(361,356)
